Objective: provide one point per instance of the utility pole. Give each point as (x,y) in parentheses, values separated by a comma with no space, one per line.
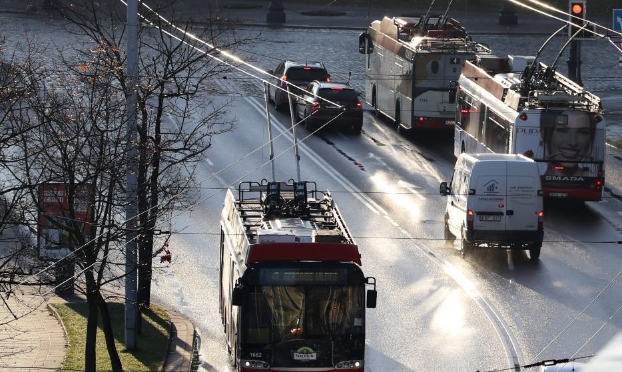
(131,209)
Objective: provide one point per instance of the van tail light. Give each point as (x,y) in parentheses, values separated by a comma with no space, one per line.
(541,220)
(470,218)
(315,106)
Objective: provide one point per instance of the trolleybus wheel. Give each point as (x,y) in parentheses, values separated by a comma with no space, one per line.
(398,119)
(374,103)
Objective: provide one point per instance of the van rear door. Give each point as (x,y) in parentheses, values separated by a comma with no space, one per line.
(523,202)
(490,196)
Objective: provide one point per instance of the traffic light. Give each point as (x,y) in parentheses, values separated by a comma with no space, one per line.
(576,18)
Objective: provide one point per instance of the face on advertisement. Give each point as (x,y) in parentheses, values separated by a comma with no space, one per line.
(570,140)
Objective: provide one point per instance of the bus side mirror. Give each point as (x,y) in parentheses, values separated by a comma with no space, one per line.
(365,44)
(371,293)
(371,298)
(453,89)
(444,189)
(237,298)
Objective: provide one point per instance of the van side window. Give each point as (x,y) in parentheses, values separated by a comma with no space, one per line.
(454,182)
(464,185)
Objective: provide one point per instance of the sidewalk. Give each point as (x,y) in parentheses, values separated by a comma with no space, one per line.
(38,341)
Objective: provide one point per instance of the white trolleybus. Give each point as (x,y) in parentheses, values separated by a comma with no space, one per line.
(410,65)
(292,292)
(518,105)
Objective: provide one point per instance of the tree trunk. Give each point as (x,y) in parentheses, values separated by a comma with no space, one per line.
(90,350)
(115,361)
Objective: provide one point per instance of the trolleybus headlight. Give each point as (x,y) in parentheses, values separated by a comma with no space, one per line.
(349,364)
(255,364)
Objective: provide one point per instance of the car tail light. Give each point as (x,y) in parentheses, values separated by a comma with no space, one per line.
(315,106)
(328,79)
(306,68)
(470,218)
(359,105)
(336,88)
(540,220)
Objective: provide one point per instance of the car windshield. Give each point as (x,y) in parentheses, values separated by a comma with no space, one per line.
(308,75)
(338,95)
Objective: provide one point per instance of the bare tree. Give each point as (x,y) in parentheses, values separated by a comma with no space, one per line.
(71,130)
(177,122)
(19,261)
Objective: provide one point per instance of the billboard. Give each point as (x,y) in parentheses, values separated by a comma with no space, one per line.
(54,240)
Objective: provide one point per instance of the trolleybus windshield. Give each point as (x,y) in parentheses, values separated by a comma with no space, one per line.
(276,314)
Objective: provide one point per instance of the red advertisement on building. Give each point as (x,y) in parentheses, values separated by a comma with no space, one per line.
(54,213)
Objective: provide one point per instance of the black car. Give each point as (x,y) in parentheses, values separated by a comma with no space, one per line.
(298,75)
(323,102)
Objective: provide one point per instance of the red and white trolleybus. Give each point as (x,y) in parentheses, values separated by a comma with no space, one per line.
(517,105)
(292,292)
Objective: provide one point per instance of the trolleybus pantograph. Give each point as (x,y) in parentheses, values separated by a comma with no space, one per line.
(292,292)
(515,104)
(410,65)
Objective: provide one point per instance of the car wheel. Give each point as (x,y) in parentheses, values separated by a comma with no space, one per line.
(357,128)
(277,106)
(534,252)
(308,123)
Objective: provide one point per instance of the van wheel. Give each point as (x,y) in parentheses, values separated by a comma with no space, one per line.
(447,233)
(534,252)
(465,246)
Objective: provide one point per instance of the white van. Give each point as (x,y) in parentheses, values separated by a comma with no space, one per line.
(495,200)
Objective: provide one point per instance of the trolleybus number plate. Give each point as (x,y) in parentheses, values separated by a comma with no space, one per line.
(558,194)
(450,122)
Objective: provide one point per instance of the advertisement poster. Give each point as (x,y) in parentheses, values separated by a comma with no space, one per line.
(54,241)
(568,144)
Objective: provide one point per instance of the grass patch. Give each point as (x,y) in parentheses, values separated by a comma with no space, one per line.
(152,343)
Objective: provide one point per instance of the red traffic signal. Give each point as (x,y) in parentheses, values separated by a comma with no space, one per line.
(576,17)
(577,9)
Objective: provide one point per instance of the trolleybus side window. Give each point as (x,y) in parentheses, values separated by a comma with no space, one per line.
(496,133)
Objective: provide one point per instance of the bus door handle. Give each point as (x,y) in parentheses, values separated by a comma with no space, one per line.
(509,212)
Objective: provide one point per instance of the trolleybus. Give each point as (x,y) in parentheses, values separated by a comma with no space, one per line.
(518,105)
(409,67)
(292,292)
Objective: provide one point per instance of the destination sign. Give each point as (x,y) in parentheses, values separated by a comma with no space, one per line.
(290,276)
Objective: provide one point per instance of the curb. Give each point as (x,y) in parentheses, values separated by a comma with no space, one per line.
(54,313)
